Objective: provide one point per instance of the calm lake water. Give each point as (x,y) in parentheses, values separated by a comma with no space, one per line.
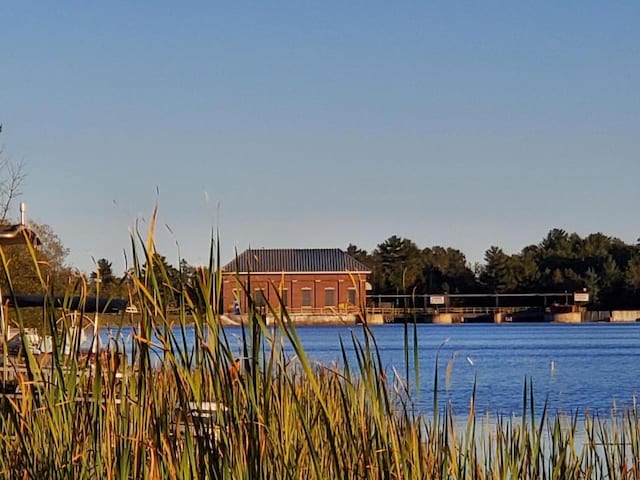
(576,368)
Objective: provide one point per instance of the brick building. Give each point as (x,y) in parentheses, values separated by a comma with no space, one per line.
(312,281)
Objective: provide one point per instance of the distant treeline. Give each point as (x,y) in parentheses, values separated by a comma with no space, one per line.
(607,267)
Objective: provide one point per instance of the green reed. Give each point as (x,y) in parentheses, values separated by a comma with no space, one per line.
(279,416)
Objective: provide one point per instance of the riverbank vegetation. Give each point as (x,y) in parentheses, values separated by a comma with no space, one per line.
(257,407)
(606,267)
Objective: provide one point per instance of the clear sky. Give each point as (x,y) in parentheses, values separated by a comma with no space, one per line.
(319,124)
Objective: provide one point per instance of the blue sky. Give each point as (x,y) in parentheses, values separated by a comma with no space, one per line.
(319,124)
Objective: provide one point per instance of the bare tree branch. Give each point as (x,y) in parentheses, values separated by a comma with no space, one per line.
(12,177)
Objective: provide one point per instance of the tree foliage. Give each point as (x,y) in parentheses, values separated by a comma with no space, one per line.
(562,262)
(29,275)
(104,282)
(398,264)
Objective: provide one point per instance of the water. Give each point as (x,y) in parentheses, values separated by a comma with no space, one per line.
(575,368)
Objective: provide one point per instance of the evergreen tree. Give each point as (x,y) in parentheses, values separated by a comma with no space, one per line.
(498,275)
(103,274)
(399,263)
(632,273)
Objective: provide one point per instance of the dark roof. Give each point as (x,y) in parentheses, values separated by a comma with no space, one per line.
(87,305)
(15,234)
(295,260)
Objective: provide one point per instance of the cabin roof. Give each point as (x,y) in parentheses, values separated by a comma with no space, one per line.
(295,260)
(17,234)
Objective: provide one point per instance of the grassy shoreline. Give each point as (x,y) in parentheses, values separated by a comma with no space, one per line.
(284,418)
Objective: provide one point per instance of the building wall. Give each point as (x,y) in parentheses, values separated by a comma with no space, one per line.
(293,287)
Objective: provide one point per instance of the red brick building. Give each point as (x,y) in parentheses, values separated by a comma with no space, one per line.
(314,280)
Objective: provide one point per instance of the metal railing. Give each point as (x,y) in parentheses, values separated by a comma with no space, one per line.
(337,310)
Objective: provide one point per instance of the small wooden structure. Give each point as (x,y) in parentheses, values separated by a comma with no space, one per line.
(14,367)
(14,364)
(12,235)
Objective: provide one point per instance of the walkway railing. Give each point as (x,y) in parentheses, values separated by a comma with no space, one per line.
(432,310)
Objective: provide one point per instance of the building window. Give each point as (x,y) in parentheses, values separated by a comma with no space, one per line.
(306,297)
(351,296)
(260,299)
(329,297)
(284,295)
(235,304)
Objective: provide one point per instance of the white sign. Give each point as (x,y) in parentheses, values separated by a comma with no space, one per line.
(581,297)
(436,299)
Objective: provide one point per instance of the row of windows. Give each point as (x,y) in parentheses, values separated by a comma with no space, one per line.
(329,297)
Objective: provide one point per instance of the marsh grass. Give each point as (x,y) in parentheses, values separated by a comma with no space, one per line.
(278,416)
